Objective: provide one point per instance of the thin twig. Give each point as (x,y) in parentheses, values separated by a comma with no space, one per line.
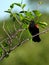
(21,35)
(15,27)
(6,31)
(15,16)
(1,58)
(3,47)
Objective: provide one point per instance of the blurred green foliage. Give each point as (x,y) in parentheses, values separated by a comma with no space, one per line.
(25,16)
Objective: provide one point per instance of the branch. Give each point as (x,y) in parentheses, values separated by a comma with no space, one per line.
(42,32)
(2,57)
(12,36)
(17,45)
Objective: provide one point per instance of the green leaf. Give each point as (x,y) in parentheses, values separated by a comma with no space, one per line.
(40,2)
(18,4)
(12,6)
(11,15)
(37,13)
(5,44)
(8,11)
(43,24)
(23,6)
(23,11)
(28,15)
(0,51)
(24,25)
(21,17)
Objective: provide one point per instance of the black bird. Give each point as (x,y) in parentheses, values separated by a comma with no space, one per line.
(33,28)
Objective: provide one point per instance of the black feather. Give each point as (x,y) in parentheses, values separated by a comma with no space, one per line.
(34,30)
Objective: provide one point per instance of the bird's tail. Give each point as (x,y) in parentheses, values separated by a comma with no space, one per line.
(36,38)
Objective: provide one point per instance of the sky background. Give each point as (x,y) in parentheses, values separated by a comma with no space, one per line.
(4,5)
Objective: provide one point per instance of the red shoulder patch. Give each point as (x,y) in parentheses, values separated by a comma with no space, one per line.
(36,25)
